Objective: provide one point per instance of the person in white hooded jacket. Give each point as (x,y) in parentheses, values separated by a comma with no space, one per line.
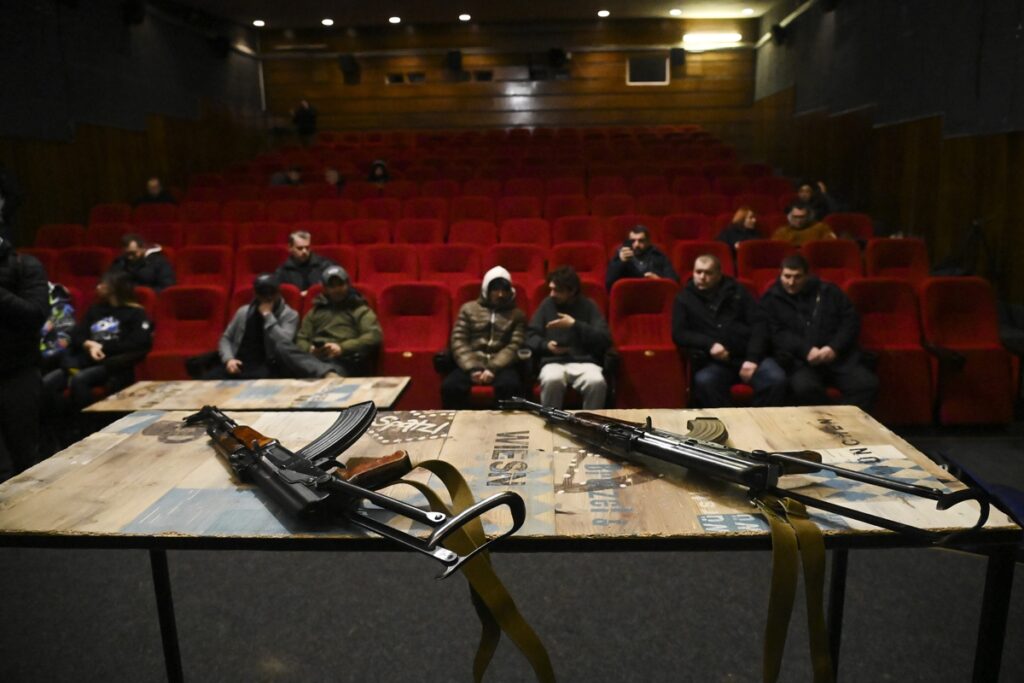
(485,341)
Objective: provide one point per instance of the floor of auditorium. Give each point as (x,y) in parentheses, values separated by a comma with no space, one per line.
(90,615)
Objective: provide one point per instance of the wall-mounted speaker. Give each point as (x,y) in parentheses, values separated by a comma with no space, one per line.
(350,69)
(677,57)
(453,60)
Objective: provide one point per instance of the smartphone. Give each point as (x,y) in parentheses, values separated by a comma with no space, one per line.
(318,344)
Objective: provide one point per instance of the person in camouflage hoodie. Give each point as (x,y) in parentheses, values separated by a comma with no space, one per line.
(485,342)
(55,337)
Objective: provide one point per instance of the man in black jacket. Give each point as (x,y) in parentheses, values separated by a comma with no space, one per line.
(637,257)
(24,305)
(814,329)
(144,263)
(725,331)
(302,268)
(570,337)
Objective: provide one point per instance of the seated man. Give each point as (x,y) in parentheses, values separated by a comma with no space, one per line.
(637,257)
(814,329)
(569,336)
(156,193)
(725,330)
(802,227)
(338,337)
(485,343)
(302,268)
(249,346)
(144,263)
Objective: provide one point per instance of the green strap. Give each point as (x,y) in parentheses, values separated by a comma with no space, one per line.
(783,585)
(794,533)
(491,600)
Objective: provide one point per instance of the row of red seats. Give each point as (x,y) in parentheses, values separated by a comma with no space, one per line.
(956,314)
(379,264)
(462,207)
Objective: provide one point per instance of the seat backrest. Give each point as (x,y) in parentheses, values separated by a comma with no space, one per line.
(475,232)
(525,231)
(322,232)
(657,204)
(833,260)
(854,226)
(243,210)
(709,204)
(559,205)
(959,312)
(446,187)
(358,190)
(759,202)
(518,207)
(253,259)
(189,317)
(199,212)
(343,254)
(481,187)
(337,209)
(524,187)
(640,312)
(905,258)
(415,316)
(611,204)
(525,262)
(607,184)
(365,231)
(107,235)
(60,235)
(888,310)
(164,234)
(214,233)
(566,185)
(587,258)
(690,186)
(288,210)
(678,227)
(386,208)
(110,213)
(262,232)
(401,189)
(205,265)
(426,207)
(383,264)
(761,260)
(419,231)
(773,185)
(155,213)
(577,229)
(730,184)
(472,207)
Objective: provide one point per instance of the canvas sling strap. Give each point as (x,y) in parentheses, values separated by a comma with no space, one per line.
(491,600)
(796,541)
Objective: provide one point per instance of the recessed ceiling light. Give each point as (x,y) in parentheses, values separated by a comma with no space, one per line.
(395,20)
(327,22)
(748,11)
(464,17)
(259,23)
(603,13)
(676,12)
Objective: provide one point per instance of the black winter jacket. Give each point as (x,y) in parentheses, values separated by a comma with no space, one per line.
(819,315)
(654,260)
(152,270)
(24,307)
(727,315)
(124,331)
(303,275)
(588,339)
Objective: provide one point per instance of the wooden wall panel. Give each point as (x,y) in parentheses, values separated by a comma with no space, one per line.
(909,177)
(63,180)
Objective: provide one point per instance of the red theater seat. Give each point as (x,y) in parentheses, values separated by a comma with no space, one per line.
(707,204)
(760,261)
(46,257)
(652,374)
(337,210)
(525,231)
(210,265)
(208,234)
(612,205)
(251,260)
(905,259)
(975,373)
(82,267)
(451,264)
(685,253)
(383,208)
(288,210)
(445,188)
(401,189)
(566,185)
(199,212)
(474,232)
(524,187)
(578,229)
(155,213)
(890,328)
(164,234)
(60,235)
(680,227)
(110,213)
(419,231)
(854,226)
(416,319)
(426,207)
(833,260)
(559,205)
(482,187)
(365,231)
(243,210)
(518,207)
(589,259)
(108,235)
(189,320)
(262,232)
(384,264)
(525,262)
(473,207)
(342,254)
(322,232)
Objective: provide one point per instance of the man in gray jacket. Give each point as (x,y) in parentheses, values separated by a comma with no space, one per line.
(250,343)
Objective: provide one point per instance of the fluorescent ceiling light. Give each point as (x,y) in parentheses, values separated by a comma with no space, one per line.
(327,22)
(259,23)
(747,11)
(395,20)
(464,17)
(676,12)
(603,13)
(710,41)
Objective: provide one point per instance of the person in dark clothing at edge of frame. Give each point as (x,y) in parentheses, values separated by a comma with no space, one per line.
(24,306)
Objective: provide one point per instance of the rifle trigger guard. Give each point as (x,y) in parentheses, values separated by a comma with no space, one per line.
(516,507)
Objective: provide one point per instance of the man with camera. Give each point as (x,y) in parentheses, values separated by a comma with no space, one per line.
(637,257)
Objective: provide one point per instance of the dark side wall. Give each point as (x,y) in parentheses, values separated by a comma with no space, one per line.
(911,111)
(92,106)
(910,59)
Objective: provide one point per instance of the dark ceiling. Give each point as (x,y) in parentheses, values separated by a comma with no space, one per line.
(345,13)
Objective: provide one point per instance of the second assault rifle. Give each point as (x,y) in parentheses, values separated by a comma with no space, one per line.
(312,483)
(758,471)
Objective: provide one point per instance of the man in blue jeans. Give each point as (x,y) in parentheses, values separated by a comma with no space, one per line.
(724,330)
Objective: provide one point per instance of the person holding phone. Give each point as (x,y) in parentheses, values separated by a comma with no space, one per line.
(637,257)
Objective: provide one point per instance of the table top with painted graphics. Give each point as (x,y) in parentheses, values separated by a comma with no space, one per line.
(255,394)
(149,481)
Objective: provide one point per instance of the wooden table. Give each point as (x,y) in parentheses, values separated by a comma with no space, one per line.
(255,394)
(147,481)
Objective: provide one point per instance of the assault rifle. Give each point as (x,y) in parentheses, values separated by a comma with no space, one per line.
(758,471)
(312,483)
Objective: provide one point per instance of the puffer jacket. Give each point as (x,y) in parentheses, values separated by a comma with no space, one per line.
(487,337)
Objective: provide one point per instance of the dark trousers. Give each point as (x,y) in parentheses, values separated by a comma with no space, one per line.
(456,387)
(21,395)
(857,384)
(249,371)
(711,384)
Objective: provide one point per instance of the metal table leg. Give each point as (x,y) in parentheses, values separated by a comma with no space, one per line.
(836,601)
(165,608)
(995,608)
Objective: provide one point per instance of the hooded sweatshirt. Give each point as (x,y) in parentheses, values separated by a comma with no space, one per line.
(487,337)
